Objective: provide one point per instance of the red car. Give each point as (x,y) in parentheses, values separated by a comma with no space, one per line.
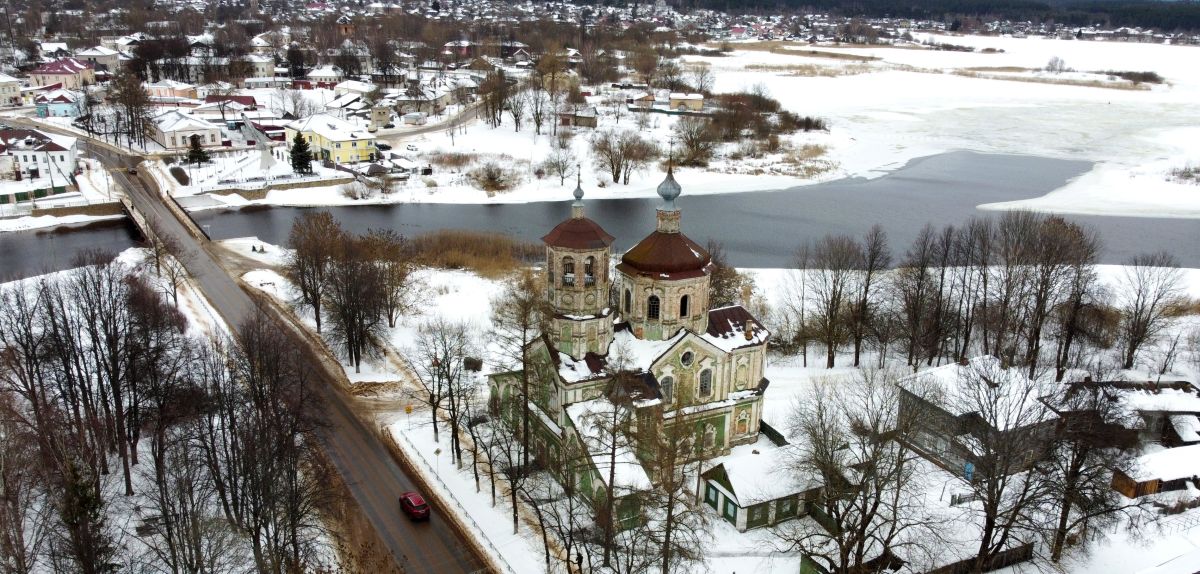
(414,505)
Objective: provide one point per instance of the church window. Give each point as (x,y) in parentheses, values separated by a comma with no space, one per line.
(652,307)
(710,436)
(743,423)
(706,382)
(683,306)
(667,386)
(686,358)
(589,276)
(628,301)
(568,271)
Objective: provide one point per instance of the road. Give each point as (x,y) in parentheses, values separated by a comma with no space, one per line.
(467,114)
(368,469)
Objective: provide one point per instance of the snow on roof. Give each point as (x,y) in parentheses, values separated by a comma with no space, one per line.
(683,96)
(174,121)
(1187,427)
(759,472)
(628,473)
(96,51)
(1168,464)
(62,66)
(1162,400)
(727,329)
(57,95)
(1008,398)
(330,128)
(355,86)
(326,71)
(168,83)
(7,79)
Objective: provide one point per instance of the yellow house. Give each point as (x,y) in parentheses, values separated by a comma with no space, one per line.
(687,102)
(333,138)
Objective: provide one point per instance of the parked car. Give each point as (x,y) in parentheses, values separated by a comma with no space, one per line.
(132,171)
(414,505)
(382,146)
(389,126)
(410,147)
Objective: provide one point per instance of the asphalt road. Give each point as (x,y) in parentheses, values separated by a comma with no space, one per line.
(373,477)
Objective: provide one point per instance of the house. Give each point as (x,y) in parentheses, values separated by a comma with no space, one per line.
(978,415)
(686,102)
(1161,470)
(333,139)
(267,82)
(59,104)
(49,50)
(101,58)
(748,490)
(40,154)
(70,72)
(641,100)
(353,87)
(174,130)
(670,362)
(171,90)
(584,118)
(326,76)
(10,90)
(258,66)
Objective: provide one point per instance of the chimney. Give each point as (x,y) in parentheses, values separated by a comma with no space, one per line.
(749,330)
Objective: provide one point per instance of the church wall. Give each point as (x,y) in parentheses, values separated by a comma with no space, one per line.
(669,292)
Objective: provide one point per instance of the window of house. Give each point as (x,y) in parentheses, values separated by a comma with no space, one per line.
(628,300)
(652,307)
(730,511)
(710,495)
(787,507)
(757,513)
(667,386)
(683,306)
(706,382)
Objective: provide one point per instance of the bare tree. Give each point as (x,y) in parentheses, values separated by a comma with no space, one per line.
(843,426)
(1149,284)
(313,240)
(520,314)
(561,162)
(697,140)
(831,283)
(355,294)
(876,259)
(391,255)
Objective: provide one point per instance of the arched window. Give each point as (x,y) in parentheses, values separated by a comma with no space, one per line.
(683,307)
(589,266)
(667,386)
(628,300)
(652,307)
(568,271)
(706,382)
(710,436)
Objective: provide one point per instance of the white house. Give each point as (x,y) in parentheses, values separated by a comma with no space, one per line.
(327,74)
(10,90)
(40,154)
(174,129)
(99,57)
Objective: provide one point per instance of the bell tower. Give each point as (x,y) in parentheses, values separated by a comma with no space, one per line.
(577,283)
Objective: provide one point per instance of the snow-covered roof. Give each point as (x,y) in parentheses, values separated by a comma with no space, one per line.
(355,86)
(96,51)
(169,83)
(1168,464)
(759,472)
(7,79)
(58,95)
(1187,427)
(628,473)
(326,71)
(174,121)
(1003,397)
(1160,400)
(727,329)
(682,96)
(330,128)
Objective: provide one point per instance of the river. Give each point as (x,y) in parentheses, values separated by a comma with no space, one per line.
(758,229)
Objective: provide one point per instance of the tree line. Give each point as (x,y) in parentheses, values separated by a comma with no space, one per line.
(1023,287)
(111,403)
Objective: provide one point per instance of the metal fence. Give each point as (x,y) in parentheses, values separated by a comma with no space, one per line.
(449,495)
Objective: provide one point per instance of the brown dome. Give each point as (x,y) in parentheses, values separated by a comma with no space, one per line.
(673,254)
(578,233)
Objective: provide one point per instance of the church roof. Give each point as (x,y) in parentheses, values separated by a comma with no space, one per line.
(671,255)
(578,233)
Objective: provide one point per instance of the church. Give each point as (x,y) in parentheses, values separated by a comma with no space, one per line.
(644,319)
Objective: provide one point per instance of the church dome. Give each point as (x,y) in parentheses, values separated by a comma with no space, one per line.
(578,233)
(672,254)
